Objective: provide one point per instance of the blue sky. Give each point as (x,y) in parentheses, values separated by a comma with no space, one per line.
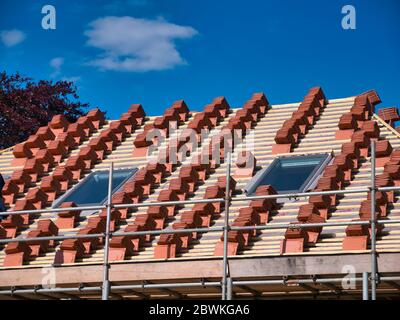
(156,51)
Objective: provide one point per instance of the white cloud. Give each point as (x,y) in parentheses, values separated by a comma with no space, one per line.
(12,37)
(56,64)
(136,45)
(71,79)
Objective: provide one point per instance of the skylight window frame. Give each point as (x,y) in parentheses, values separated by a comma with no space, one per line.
(308,184)
(65,196)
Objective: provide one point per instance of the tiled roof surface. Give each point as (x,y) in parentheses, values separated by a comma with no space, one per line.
(327,130)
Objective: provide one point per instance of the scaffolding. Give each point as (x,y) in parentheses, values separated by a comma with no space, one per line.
(227,283)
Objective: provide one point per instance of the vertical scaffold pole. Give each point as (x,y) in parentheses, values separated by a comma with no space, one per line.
(373,223)
(106,266)
(225,273)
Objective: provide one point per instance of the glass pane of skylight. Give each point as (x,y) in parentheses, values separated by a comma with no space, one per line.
(93,189)
(291,174)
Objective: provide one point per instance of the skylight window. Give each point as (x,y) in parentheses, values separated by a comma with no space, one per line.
(291,174)
(93,189)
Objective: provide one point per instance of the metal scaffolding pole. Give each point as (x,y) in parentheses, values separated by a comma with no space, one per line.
(201,230)
(167,203)
(51,210)
(225,265)
(373,224)
(365,285)
(106,265)
(229,288)
(304,281)
(144,286)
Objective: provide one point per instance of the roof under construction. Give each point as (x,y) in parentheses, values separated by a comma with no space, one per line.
(315,145)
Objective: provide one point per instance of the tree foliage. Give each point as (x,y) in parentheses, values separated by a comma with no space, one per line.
(26,105)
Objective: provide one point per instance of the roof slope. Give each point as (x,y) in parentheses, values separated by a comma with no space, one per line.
(319,138)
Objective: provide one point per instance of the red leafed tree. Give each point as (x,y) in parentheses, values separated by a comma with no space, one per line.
(26,105)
